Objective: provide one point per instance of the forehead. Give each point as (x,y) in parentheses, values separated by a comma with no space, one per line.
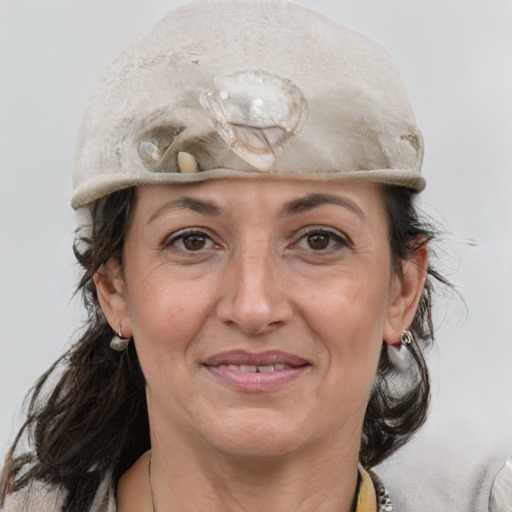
(249,191)
(251,198)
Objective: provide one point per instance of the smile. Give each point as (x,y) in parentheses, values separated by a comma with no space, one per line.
(252,368)
(263,372)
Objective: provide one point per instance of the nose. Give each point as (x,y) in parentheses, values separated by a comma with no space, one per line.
(255,297)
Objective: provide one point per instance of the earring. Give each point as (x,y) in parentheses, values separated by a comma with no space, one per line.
(406,337)
(119,342)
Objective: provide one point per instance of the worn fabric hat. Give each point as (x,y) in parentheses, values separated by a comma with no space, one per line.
(247,89)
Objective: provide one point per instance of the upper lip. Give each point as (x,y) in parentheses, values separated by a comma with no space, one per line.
(242,357)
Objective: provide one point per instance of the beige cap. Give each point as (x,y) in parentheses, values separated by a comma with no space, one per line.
(247,89)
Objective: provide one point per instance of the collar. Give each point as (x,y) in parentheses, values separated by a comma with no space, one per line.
(372,496)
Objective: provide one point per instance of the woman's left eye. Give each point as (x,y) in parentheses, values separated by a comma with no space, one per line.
(191,241)
(321,240)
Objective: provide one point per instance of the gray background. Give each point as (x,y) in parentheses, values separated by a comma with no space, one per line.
(455,60)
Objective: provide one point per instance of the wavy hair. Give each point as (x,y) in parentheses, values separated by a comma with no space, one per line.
(94,417)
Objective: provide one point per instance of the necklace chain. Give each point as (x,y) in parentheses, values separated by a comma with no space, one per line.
(150,485)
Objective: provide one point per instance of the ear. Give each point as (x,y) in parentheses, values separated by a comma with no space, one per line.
(406,291)
(110,287)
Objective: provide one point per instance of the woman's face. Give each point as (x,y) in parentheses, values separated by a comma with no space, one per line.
(258,310)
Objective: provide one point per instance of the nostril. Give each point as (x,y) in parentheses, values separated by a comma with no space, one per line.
(254,315)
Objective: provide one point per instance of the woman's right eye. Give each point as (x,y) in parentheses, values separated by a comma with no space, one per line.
(191,241)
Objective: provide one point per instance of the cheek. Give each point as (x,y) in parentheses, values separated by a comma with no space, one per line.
(165,319)
(166,312)
(348,314)
(353,300)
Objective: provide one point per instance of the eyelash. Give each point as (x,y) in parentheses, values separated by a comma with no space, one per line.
(335,240)
(183,235)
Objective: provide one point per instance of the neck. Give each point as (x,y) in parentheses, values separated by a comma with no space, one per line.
(184,481)
(275,473)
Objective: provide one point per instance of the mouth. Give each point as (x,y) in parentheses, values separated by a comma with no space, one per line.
(256,372)
(249,368)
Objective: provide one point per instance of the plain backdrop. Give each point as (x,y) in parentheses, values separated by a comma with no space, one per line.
(455,58)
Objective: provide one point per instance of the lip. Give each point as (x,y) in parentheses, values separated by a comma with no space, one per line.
(256,358)
(279,369)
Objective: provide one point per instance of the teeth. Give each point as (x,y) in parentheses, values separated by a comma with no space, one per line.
(246,368)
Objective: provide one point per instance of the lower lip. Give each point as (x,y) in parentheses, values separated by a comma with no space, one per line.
(255,382)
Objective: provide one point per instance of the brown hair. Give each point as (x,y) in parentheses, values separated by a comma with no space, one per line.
(95,417)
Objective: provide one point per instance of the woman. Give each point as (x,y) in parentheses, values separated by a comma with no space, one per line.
(252,263)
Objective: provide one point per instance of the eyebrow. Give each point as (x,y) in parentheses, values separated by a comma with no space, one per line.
(311,201)
(197,205)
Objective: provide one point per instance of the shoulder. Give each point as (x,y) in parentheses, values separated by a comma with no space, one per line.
(93,494)
(35,498)
(454,475)
(501,494)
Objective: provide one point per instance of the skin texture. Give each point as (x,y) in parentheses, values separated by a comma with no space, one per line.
(298,267)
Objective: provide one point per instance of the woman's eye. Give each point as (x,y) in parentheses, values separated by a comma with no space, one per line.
(194,242)
(320,240)
(191,241)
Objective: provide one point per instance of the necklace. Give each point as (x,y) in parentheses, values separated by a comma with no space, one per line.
(353,508)
(150,486)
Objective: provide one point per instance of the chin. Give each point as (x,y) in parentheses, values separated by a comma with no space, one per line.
(257,434)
